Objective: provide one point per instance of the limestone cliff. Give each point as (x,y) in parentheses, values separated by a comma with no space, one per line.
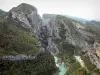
(58,35)
(28,17)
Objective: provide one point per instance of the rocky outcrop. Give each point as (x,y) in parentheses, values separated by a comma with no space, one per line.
(97,48)
(25,49)
(28,17)
(69,30)
(62,30)
(18,57)
(59,28)
(94,54)
(57,34)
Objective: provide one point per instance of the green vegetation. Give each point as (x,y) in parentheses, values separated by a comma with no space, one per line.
(88,63)
(97,71)
(66,19)
(14,40)
(67,55)
(82,71)
(67,50)
(42,65)
(95,31)
(91,67)
(1,19)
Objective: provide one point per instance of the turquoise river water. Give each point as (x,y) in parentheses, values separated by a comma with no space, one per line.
(60,65)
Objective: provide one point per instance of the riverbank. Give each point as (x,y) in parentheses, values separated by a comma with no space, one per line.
(60,64)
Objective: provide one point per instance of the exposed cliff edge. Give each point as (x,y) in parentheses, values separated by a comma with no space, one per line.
(20,48)
(68,38)
(28,36)
(28,17)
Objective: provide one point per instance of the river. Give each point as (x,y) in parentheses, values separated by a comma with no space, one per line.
(60,65)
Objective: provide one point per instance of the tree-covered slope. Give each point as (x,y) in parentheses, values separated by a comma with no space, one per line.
(74,38)
(20,52)
(15,40)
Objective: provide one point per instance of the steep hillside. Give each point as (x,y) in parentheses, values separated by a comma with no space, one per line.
(20,51)
(14,40)
(31,45)
(68,38)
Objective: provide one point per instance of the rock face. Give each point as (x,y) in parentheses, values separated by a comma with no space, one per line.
(19,43)
(96,55)
(28,17)
(58,34)
(97,47)
(62,31)
(61,28)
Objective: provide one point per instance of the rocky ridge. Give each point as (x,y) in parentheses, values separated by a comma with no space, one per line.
(28,17)
(58,34)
